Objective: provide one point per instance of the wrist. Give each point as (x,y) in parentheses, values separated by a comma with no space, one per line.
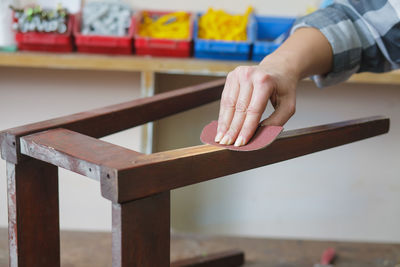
(306,52)
(285,63)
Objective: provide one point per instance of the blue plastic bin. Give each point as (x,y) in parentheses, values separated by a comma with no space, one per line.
(225,50)
(267,30)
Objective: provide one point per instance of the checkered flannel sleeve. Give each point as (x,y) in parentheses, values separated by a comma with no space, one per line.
(364,35)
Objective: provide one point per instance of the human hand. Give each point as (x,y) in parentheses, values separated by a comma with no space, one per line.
(245,97)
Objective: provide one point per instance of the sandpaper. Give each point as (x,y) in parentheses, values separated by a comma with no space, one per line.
(263,137)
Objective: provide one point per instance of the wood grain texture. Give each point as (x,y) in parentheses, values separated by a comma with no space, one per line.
(159,172)
(232,258)
(33,214)
(76,152)
(141,232)
(115,118)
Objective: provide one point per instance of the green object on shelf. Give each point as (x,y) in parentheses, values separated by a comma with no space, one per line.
(9,48)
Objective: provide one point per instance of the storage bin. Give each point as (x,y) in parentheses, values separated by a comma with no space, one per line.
(224,50)
(162,47)
(270,33)
(47,42)
(99,44)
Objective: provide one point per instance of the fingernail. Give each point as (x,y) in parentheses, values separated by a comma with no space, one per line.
(218,137)
(230,141)
(226,140)
(239,141)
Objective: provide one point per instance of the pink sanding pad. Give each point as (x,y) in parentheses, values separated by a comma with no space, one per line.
(263,137)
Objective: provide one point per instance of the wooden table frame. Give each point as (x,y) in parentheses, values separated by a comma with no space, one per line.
(138,185)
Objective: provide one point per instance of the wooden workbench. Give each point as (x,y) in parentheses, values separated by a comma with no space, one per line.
(83,249)
(133,63)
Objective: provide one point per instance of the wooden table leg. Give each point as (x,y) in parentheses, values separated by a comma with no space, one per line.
(33,212)
(141,232)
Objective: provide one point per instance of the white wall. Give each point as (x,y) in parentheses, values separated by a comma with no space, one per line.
(282,7)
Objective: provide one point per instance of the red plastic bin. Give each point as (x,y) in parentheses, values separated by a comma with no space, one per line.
(97,44)
(48,42)
(162,47)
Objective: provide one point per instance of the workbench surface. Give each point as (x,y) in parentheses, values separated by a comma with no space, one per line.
(84,249)
(134,63)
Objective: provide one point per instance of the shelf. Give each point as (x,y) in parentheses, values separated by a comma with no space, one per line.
(77,61)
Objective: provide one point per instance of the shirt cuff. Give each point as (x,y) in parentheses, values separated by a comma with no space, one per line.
(343,38)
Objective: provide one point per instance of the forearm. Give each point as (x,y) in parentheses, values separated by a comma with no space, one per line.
(306,52)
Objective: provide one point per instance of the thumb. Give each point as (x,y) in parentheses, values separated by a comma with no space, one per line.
(282,113)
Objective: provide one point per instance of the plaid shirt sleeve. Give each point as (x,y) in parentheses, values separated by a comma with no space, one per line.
(364,35)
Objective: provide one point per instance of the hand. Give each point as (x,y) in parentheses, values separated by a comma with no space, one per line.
(247,89)
(246,94)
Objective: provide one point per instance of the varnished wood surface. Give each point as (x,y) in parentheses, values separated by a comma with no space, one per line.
(79,61)
(85,249)
(141,232)
(33,214)
(177,168)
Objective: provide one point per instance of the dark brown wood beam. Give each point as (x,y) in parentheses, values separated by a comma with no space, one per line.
(177,168)
(233,258)
(115,118)
(141,232)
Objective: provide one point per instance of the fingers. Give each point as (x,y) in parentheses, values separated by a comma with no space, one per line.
(261,93)
(242,105)
(283,112)
(227,107)
(243,101)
